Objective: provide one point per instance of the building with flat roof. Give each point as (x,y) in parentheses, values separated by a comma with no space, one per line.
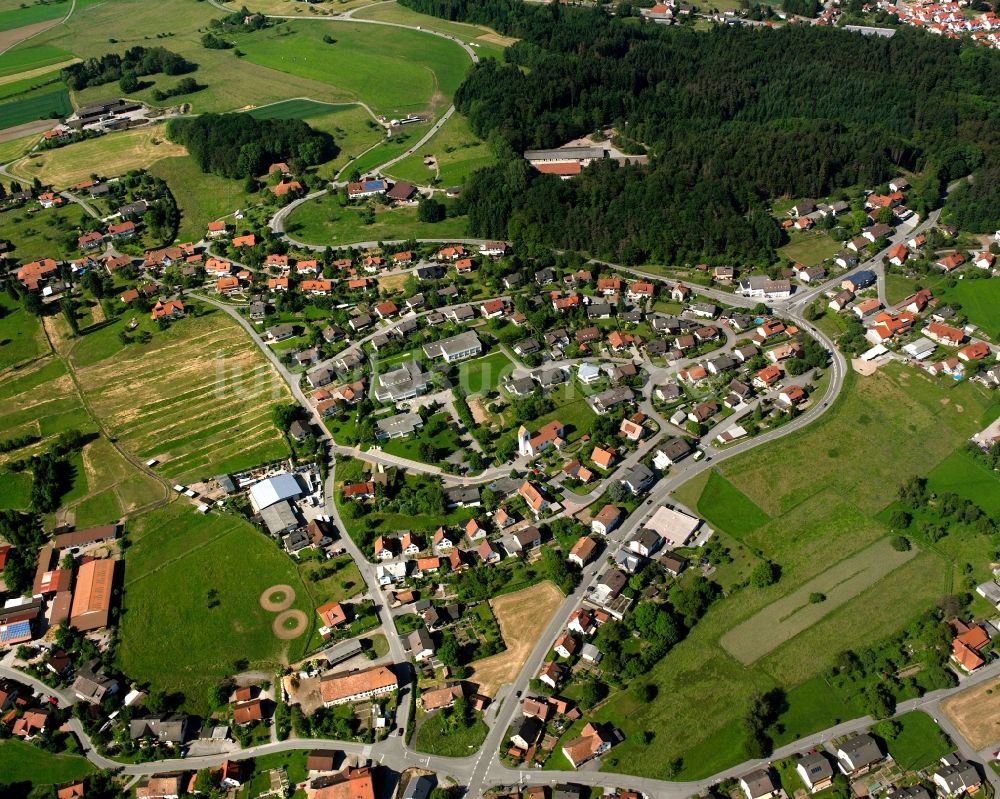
(398,426)
(274,489)
(455,348)
(92,597)
(674,527)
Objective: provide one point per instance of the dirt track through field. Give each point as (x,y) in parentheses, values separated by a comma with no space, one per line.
(522,616)
(976,714)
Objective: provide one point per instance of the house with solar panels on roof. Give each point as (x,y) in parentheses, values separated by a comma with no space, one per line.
(366,188)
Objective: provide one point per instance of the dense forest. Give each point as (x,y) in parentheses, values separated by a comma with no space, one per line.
(975,206)
(239,146)
(135,62)
(731,118)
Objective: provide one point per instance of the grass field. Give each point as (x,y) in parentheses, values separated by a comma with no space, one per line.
(325,221)
(823,502)
(201,197)
(39,233)
(23,59)
(725,506)
(810,247)
(43,106)
(920,743)
(485,41)
(110,155)
(182,644)
(793,613)
(457,151)
(20,762)
(198,397)
(434,737)
(388,148)
(15,148)
(21,335)
(29,14)
(427,69)
(979,300)
(299,108)
(966,477)
(482,375)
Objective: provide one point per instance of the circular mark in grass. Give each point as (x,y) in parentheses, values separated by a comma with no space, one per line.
(277,598)
(289,624)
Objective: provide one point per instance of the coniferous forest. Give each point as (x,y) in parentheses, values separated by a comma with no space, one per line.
(731,118)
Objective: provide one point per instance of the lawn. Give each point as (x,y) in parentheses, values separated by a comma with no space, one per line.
(110,155)
(482,375)
(325,221)
(456,150)
(898,287)
(810,247)
(824,501)
(201,197)
(23,762)
(42,106)
(170,637)
(426,69)
(24,59)
(344,583)
(21,336)
(920,743)
(197,397)
(436,738)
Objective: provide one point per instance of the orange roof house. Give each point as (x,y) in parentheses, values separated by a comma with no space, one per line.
(168,309)
(37,272)
(92,596)
(603,457)
(969,639)
(249,240)
(286,187)
(331,614)
(975,351)
(336,689)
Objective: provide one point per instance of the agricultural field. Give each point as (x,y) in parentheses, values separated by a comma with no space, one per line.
(40,106)
(325,221)
(24,762)
(201,197)
(976,713)
(487,42)
(457,152)
(18,15)
(427,69)
(805,502)
(522,616)
(113,154)
(29,85)
(795,612)
(184,645)
(388,148)
(198,399)
(33,57)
